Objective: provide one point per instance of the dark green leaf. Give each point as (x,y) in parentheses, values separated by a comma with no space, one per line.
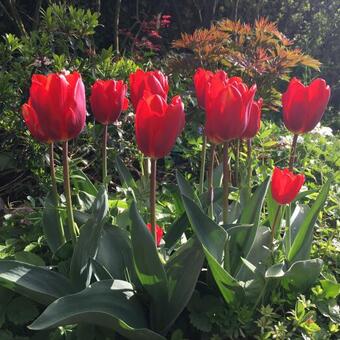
(21,311)
(52,223)
(124,174)
(87,244)
(110,303)
(307,224)
(148,266)
(30,258)
(39,284)
(182,271)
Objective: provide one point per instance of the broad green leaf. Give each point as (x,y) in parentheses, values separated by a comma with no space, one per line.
(182,269)
(259,255)
(213,239)
(175,231)
(212,236)
(297,218)
(149,268)
(87,244)
(110,303)
(30,258)
(115,253)
(306,227)
(303,274)
(82,182)
(300,275)
(37,283)
(251,214)
(52,223)
(331,288)
(186,189)
(124,174)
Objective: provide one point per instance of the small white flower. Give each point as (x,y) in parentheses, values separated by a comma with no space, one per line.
(287,141)
(323,131)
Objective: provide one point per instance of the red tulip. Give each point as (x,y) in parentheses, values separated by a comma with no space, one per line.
(59,103)
(228,104)
(254,120)
(158,124)
(32,122)
(159,233)
(152,82)
(108,100)
(201,79)
(304,106)
(285,185)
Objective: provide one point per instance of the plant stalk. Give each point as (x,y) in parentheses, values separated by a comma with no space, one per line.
(275,222)
(237,163)
(249,169)
(55,192)
(211,181)
(67,189)
(203,160)
(226,176)
(153,198)
(293,152)
(104,155)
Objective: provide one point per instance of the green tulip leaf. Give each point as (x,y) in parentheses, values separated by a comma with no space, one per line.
(88,241)
(110,303)
(307,225)
(213,239)
(149,268)
(186,189)
(82,183)
(182,269)
(175,231)
(52,223)
(124,174)
(37,283)
(115,253)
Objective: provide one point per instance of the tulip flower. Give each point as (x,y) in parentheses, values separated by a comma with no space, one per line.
(304,106)
(59,103)
(285,185)
(152,82)
(201,79)
(108,100)
(57,106)
(159,233)
(33,124)
(158,124)
(228,104)
(254,120)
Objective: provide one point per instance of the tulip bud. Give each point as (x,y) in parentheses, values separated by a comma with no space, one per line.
(58,102)
(254,120)
(228,104)
(152,82)
(158,124)
(285,185)
(159,233)
(108,100)
(304,106)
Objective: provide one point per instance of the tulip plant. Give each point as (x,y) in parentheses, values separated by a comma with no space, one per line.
(136,281)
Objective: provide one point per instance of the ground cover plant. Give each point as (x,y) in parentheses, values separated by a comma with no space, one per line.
(166,200)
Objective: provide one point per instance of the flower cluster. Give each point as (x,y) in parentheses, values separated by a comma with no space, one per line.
(56,112)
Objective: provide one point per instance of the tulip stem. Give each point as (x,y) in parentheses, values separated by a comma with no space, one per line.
(210,181)
(203,159)
(226,176)
(104,155)
(249,169)
(293,152)
(61,233)
(67,189)
(237,162)
(153,198)
(277,213)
